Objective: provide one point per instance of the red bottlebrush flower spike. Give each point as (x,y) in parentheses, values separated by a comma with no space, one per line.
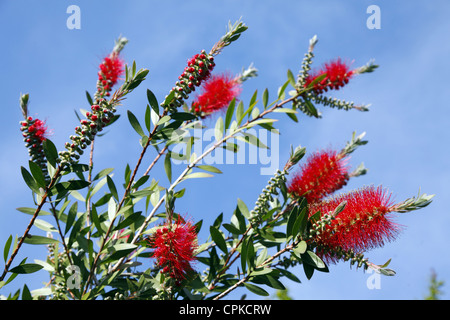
(174,247)
(218,92)
(337,73)
(35,132)
(363,224)
(38,130)
(323,173)
(111,69)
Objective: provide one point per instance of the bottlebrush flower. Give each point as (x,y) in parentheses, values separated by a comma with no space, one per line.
(174,247)
(218,92)
(111,69)
(337,73)
(35,132)
(323,173)
(102,111)
(364,223)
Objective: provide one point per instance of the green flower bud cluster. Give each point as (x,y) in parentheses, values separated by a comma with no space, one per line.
(278,181)
(336,103)
(306,64)
(102,113)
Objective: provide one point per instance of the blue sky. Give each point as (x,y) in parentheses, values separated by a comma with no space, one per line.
(406,127)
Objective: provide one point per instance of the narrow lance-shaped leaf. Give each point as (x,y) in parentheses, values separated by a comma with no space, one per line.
(218,238)
(50,152)
(112,187)
(230,112)
(38,176)
(168,166)
(26,268)
(7,247)
(29,180)
(135,123)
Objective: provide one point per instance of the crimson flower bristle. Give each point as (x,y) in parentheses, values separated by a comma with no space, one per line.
(111,69)
(364,223)
(38,130)
(323,173)
(337,73)
(174,246)
(217,93)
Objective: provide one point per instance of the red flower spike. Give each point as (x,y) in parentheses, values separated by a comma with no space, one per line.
(38,130)
(363,224)
(111,69)
(174,248)
(337,73)
(323,173)
(218,91)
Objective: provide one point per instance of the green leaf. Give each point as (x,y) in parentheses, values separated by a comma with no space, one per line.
(311,108)
(135,123)
(71,185)
(209,168)
(300,248)
(38,240)
(89,98)
(285,110)
(136,216)
(252,139)
(183,116)
(282,89)
(243,208)
(240,112)
(232,229)
(31,211)
(259,121)
(29,180)
(111,209)
(148,115)
(218,238)
(7,247)
(198,175)
(71,216)
(291,78)
(163,120)
(265,98)
(103,173)
(168,166)
(120,251)
(268,280)
(230,112)
(218,130)
(44,225)
(26,294)
(293,215)
(142,180)
(112,187)
(26,268)
(256,290)
(96,220)
(153,101)
(250,253)
(50,152)
(244,248)
(313,260)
